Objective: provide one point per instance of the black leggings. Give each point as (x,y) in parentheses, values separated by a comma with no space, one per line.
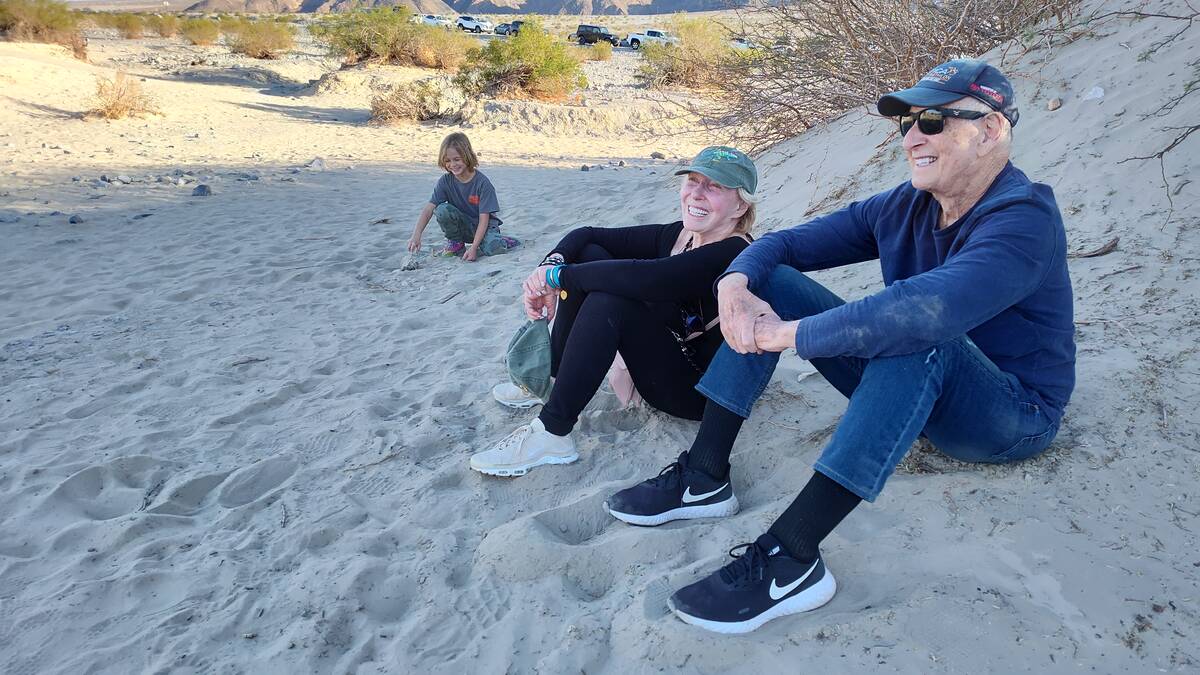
(589,330)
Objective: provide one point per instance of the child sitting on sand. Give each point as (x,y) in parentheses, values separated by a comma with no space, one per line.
(465,204)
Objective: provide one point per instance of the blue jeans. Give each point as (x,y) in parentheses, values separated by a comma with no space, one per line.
(951,392)
(458,226)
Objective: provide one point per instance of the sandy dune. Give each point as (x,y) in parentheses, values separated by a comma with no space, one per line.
(233,436)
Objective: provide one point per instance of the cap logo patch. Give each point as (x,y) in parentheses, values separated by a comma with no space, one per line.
(988,92)
(725,155)
(941,74)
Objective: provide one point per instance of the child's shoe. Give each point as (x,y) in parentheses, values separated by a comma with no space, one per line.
(452,248)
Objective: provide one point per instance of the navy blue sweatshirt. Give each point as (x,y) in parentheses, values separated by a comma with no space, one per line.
(998,275)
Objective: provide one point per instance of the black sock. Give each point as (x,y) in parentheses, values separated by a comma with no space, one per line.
(821,505)
(710,451)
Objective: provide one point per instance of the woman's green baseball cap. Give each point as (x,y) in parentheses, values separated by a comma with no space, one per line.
(528,358)
(725,165)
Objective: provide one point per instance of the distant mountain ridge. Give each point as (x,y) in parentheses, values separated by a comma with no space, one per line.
(315,6)
(583,7)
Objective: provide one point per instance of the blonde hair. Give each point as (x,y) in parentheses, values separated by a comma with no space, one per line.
(746,222)
(458,141)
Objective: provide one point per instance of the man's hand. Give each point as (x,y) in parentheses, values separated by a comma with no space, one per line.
(414,243)
(471,254)
(739,309)
(773,334)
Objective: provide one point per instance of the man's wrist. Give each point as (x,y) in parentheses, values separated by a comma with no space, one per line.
(734,280)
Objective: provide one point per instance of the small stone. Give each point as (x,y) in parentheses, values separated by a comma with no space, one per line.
(621,163)
(125,179)
(657,155)
(75,219)
(317,164)
(76,179)
(410,263)
(1054,104)
(104,177)
(202,190)
(585,167)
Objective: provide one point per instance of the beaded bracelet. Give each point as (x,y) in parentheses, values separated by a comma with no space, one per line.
(553,258)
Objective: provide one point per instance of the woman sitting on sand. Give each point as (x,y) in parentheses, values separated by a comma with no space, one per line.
(645,292)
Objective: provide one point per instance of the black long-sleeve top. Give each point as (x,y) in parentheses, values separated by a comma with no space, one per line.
(644,269)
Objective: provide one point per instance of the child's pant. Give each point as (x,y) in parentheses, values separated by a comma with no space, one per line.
(458,226)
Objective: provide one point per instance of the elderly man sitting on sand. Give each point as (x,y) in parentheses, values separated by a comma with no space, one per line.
(970,343)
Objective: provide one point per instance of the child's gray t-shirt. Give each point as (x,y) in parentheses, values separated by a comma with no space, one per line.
(474,197)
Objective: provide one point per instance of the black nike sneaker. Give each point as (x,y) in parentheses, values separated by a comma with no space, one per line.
(762,583)
(678,492)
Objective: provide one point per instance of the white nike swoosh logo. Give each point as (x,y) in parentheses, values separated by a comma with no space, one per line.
(777,592)
(688,497)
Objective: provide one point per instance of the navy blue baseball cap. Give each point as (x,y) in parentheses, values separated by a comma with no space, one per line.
(951,81)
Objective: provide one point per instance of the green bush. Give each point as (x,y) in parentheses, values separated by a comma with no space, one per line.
(373,35)
(166,25)
(386,36)
(200,31)
(530,64)
(703,45)
(263,39)
(42,21)
(230,24)
(437,47)
(130,26)
(601,51)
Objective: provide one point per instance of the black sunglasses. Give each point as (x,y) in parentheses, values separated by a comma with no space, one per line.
(932,121)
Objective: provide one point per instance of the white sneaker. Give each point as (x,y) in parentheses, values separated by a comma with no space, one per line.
(509,394)
(529,446)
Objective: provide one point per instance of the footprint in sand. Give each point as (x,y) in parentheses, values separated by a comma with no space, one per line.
(109,490)
(251,483)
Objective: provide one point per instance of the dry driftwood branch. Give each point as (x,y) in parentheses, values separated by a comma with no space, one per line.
(1107,248)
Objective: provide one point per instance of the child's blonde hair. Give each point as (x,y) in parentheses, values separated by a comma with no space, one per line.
(458,141)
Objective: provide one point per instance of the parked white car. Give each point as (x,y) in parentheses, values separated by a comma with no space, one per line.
(474,24)
(436,20)
(652,37)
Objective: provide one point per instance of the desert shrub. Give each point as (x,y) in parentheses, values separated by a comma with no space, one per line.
(120,97)
(374,35)
(824,57)
(703,45)
(412,102)
(439,48)
(230,25)
(200,31)
(102,19)
(130,26)
(530,64)
(263,39)
(42,21)
(386,36)
(601,51)
(165,25)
